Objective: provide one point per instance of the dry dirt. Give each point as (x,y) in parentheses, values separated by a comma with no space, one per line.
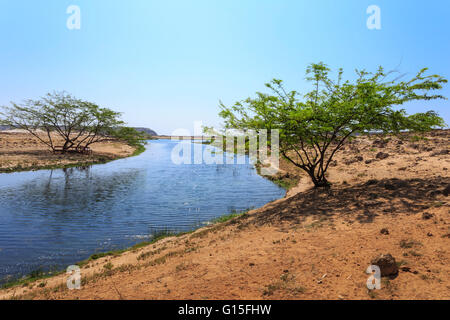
(22,151)
(309,245)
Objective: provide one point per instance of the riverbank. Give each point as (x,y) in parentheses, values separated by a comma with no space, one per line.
(22,152)
(309,245)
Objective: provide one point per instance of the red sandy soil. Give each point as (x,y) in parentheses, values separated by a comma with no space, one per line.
(312,244)
(22,151)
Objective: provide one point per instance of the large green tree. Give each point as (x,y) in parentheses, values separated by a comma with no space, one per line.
(79,123)
(314,126)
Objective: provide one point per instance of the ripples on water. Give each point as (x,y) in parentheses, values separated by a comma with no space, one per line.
(50,219)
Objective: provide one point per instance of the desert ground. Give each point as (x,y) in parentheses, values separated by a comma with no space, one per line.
(389,196)
(21,151)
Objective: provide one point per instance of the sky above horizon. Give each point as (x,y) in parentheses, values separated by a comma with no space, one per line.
(166,64)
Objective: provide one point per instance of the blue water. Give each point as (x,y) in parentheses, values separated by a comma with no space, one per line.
(50,219)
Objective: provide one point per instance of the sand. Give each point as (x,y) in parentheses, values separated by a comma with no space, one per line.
(21,151)
(309,245)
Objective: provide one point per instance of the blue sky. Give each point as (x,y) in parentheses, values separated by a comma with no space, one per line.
(166,64)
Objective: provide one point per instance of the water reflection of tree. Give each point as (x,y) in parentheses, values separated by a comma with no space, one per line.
(63,211)
(68,173)
(79,190)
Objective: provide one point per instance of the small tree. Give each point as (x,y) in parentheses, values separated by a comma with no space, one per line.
(130,135)
(312,130)
(79,123)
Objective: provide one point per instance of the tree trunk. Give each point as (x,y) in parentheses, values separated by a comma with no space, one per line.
(319,180)
(322,183)
(67,145)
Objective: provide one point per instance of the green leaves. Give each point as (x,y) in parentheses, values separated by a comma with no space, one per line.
(130,135)
(314,128)
(79,123)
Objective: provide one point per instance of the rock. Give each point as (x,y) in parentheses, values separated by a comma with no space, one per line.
(381,155)
(333,163)
(376,142)
(379,143)
(387,264)
(446,191)
(406,269)
(348,162)
(369,161)
(394,184)
(434,193)
(389,186)
(427,216)
(371,182)
(384,231)
(355,159)
(440,153)
(429,234)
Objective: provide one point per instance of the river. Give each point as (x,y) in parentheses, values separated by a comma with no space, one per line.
(50,219)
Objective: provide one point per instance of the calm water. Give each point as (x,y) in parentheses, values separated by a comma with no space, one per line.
(50,219)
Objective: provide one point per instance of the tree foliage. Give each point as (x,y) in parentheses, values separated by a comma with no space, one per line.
(130,135)
(79,123)
(315,126)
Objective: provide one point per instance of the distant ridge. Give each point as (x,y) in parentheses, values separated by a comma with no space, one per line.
(3,127)
(146,130)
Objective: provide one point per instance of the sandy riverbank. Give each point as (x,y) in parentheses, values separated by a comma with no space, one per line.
(309,245)
(21,151)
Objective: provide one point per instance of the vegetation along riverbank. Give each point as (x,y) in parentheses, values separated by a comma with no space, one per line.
(373,186)
(60,131)
(388,195)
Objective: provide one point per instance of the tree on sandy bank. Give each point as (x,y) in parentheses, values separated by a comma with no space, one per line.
(314,128)
(79,123)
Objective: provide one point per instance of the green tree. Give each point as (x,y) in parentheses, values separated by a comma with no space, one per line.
(79,123)
(130,135)
(314,127)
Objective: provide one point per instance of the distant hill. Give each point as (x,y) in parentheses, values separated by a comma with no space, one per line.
(3,127)
(147,131)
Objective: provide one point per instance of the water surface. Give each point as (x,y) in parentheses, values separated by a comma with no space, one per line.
(50,219)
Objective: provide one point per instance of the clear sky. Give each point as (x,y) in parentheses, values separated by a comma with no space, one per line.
(166,64)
